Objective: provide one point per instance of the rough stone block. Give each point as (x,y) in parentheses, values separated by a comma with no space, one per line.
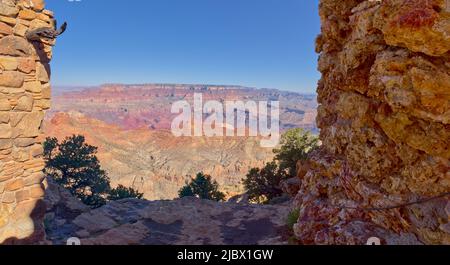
(35,178)
(5,131)
(24,142)
(5,144)
(8,63)
(8,197)
(11,79)
(6,29)
(4,216)
(4,117)
(8,20)
(34,86)
(26,124)
(5,105)
(38,5)
(37,192)
(15,46)
(36,150)
(43,72)
(27,14)
(5,178)
(20,154)
(14,185)
(46,91)
(37,23)
(26,65)
(8,10)
(24,103)
(45,18)
(43,104)
(20,29)
(22,195)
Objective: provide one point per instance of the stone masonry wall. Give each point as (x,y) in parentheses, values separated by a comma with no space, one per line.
(24,96)
(384,117)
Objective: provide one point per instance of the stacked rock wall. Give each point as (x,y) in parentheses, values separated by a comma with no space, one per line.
(24,95)
(384,117)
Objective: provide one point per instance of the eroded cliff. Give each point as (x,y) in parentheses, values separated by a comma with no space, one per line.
(384,117)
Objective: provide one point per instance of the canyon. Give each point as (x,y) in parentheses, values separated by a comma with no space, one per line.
(383,169)
(131,126)
(149,105)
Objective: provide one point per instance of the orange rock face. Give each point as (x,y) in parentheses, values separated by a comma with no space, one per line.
(384,118)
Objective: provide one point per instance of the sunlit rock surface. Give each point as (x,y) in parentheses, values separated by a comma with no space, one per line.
(24,95)
(384,117)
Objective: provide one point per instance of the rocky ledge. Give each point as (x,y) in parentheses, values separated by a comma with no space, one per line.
(188,221)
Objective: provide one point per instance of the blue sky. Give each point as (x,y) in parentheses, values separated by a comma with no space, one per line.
(258,43)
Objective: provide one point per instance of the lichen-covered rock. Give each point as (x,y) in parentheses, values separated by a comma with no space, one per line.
(384,118)
(418,25)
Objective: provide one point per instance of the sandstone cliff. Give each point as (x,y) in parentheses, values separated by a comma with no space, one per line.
(384,116)
(149,105)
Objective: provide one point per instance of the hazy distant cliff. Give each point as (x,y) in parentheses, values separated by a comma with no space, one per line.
(137,106)
(131,126)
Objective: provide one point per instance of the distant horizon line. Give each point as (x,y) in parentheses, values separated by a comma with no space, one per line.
(184,84)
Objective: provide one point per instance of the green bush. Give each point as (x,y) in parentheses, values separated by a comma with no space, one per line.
(293,218)
(203,187)
(295,146)
(122,192)
(73,164)
(263,185)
